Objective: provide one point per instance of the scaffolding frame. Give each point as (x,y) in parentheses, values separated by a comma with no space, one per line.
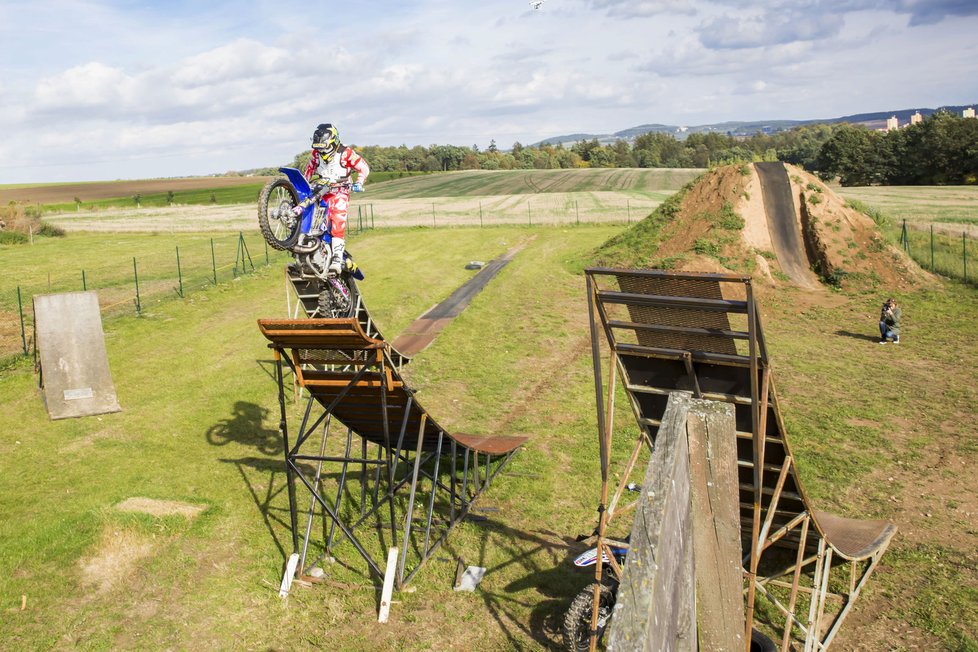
(682,339)
(348,378)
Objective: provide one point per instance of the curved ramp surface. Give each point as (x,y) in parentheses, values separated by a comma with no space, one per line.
(702,333)
(783,223)
(351,379)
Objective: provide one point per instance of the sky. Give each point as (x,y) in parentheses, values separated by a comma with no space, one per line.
(128,89)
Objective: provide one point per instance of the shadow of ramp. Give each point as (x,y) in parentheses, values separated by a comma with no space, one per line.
(554,577)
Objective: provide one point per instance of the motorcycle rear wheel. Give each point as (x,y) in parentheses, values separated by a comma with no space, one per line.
(577,622)
(278,225)
(332,303)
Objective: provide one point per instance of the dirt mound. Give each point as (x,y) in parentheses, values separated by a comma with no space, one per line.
(718,224)
(844,244)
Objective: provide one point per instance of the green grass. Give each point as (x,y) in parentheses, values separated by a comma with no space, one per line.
(517,361)
(521,182)
(244,194)
(187,366)
(923,204)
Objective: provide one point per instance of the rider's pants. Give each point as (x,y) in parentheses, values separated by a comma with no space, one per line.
(339,204)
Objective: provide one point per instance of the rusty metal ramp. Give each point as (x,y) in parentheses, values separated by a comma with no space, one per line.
(701,333)
(302,297)
(353,384)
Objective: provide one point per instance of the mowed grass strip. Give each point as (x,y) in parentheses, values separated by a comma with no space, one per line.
(522,182)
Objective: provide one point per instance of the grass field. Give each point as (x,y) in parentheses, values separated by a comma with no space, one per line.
(942,223)
(952,207)
(525,197)
(101,194)
(870,443)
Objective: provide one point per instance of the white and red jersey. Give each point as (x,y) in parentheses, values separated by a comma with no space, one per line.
(338,167)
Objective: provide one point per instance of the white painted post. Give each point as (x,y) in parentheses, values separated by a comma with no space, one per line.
(283,591)
(385,597)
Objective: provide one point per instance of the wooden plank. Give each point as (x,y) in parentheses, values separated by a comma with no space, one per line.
(655,605)
(712,441)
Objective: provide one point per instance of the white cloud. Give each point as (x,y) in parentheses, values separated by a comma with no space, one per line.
(160,90)
(89,85)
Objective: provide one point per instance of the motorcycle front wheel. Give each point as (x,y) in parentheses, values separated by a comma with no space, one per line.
(278,225)
(577,622)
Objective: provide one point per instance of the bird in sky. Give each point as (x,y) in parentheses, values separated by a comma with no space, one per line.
(535,4)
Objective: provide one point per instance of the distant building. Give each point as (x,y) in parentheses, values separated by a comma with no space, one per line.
(968,113)
(916,118)
(892,123)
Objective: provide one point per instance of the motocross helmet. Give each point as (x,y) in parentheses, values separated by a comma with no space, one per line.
(326,140)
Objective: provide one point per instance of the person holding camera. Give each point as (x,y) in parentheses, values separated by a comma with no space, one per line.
(890,322)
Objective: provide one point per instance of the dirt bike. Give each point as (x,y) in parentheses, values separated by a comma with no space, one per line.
(577,622)
(307,236)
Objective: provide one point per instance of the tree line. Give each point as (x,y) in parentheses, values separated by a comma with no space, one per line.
(943,149)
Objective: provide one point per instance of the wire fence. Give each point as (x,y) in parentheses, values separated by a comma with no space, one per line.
(555,209)
(948,254)
(545,209)
(130,285)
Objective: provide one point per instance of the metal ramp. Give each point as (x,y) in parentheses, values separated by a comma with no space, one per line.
(701,333)
(70,345)
(352,379)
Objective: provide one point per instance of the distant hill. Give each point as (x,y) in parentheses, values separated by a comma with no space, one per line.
(872,120)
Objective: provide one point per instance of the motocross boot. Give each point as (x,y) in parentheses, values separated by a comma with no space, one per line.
(336,264)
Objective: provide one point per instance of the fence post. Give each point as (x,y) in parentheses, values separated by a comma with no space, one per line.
(267,261)
(372,216)
(577,211)
(20,308)
(433,214)
(932,248)
(529,216)
(480,214)
(213,261)
(964,254)
(905,241)
(135,274)
(628,208)
(245,254)
(179,273)
(84,283)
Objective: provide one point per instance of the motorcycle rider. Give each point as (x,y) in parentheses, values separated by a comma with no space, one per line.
(332,162)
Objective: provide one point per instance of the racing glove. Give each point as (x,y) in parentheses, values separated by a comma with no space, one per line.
(357,187)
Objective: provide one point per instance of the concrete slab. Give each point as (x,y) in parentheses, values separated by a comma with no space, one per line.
(75,373)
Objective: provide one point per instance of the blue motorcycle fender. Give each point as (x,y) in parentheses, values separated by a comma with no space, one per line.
(298,181)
